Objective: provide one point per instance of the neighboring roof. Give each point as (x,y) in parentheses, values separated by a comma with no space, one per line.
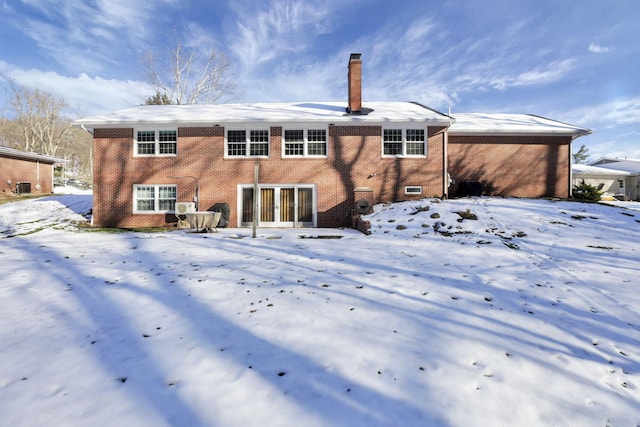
(26,155)
(281,112)
(511,124)
(580,169)
(627,165)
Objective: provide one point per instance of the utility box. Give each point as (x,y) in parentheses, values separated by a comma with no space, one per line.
(23,187)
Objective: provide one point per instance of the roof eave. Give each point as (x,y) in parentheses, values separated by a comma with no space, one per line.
(573,135)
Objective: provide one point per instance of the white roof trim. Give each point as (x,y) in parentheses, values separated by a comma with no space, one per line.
(27,155)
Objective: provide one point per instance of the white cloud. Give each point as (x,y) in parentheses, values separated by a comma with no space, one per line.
(545,74)
(88,36)
(595,48)
(284,26)
(615,127)
(85,95)
(610,114)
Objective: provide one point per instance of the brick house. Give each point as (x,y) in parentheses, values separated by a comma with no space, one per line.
(317,163)
(26,172)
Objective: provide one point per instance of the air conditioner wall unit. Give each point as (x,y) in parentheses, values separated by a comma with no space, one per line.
(185,208)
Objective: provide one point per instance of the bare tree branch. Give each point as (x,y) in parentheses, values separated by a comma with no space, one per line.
(184,76)
(39,120)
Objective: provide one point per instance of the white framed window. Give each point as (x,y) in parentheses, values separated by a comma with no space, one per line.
(304,143)
(413,189)
(155,142)
(404,142)
(247,143)
(154,198)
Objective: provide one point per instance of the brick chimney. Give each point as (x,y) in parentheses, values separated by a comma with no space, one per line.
(355,84)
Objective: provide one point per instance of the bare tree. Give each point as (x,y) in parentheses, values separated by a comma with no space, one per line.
(186,76)
(39,122)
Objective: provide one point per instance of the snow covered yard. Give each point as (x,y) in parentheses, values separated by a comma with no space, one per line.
(481,311)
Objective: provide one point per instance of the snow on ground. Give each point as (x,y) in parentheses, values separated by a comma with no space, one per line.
(525,316)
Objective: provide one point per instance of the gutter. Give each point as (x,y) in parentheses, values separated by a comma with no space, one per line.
(85,129)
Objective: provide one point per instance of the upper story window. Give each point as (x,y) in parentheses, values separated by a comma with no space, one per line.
(305,143)
(404,142)
(247,143)
(156,143)
(154,198)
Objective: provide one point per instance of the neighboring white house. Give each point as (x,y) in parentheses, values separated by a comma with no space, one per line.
(619,178)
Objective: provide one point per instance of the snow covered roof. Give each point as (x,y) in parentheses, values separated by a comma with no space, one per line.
(280,112)
(27,155)
(511,124)
(627,165)
(580,169)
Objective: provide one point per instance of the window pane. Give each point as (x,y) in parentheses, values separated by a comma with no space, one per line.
(267,204)
(236,143)
(145,198)
(247,205)
(167,197)
(392,148)
(259,136)
(168,141)
(415,134)
(287,204)
(147,148)
(146,136)
(167,148)
(316,135)
(259,149)
(168,135)
(296,135)
(293,149)
(305,204)
(259,143)
(294,142)
(145,192)
(237,149)
(393,135)
(317,149)
(317,145)
(145,205)
(415,148)
(168,192)
(237,136)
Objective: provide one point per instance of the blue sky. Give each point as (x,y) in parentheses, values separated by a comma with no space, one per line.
(576,61)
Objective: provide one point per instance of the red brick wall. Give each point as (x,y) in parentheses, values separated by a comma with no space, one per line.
(521,166)
(354,160)
(20,170)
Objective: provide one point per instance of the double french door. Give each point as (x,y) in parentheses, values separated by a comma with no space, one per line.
(279,206)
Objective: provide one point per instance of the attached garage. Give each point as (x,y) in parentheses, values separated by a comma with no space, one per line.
(512,154)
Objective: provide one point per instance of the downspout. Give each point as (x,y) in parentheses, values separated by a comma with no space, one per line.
(445,150)
(445,138)
(571,168)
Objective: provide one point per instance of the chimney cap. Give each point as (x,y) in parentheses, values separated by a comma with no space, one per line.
(355,56)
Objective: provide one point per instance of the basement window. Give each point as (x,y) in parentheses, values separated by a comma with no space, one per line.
(413,189)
